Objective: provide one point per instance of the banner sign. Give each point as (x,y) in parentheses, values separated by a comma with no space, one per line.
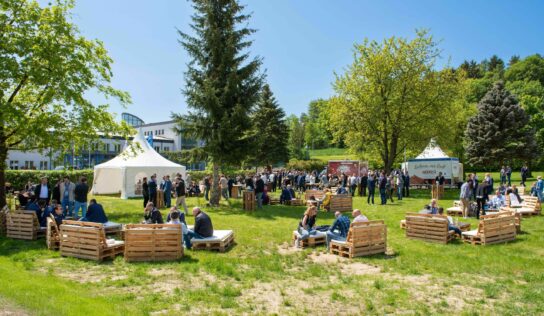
(348,167)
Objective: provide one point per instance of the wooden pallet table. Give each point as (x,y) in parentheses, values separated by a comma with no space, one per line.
(153,242)
(249,201)
(364,239)
(221,241)
(86,240)
(23,225)
(320,238)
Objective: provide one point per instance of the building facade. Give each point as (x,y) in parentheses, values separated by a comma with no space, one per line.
(161,135)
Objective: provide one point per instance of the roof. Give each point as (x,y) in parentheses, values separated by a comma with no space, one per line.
(432,151)
(144,156)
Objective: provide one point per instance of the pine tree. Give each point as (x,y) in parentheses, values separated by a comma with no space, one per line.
(271,131)
(222,84)
(499,131)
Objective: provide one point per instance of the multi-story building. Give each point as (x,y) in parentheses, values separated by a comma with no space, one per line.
(162,135)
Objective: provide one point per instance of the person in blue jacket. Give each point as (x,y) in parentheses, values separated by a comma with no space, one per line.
(95,213)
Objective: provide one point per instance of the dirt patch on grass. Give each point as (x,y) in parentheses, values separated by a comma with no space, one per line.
(9,309)
(286,249)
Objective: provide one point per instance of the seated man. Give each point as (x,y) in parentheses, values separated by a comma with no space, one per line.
(152,215)
(358,217)
(48,211)
(434,206)
(43,213)
(175,219)
(451,225)
(341,190)
(58,214)
(287,194)
(203,227)
(173,210)
(33,206)
(498,201)
(95,213)
(339,229)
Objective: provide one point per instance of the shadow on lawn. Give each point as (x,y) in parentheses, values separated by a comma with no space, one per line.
(10,247)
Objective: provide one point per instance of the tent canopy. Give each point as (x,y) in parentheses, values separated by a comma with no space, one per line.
(123,174)
(432,151)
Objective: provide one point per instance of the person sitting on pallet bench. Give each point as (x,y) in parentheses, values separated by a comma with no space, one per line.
(175,219)
(174,209)
(58,214)
(451,225)
(203,227)
(498,201)
(95,213)
(34,206)
(358,217)
(152,215)
(339,229)
(426,210)
(306,226)
(326,200)
(341,190)
(434,206)
(287,194)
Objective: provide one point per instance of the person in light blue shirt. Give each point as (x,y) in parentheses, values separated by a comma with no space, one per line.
(498,201)
(539,188)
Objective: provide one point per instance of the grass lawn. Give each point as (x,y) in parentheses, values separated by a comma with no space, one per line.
(327,154)
(262,275)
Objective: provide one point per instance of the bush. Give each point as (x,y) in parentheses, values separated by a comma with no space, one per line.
(18,178)
(307,165)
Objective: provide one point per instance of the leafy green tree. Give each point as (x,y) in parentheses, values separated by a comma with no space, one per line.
(514,59)
(495,64)
(531,98)
(46,69)
(529,69)
(296,137)
(271,131)
(392,97)
(472,69)
(499,132)
(317,127)
(222,84)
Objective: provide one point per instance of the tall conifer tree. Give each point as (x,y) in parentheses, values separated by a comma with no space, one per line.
(222,84)
(271,131)
(499,131)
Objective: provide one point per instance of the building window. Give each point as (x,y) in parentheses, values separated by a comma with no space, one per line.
(157,148)
(117,147)
(29,165)
(43,165)
(14,164)
(166,149)
(162,132)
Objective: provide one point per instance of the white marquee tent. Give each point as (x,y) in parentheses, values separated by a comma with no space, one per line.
(122,173)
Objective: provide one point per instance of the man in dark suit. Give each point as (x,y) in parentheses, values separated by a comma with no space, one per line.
(95,213)
(152,188)
(203,227)
(42,191)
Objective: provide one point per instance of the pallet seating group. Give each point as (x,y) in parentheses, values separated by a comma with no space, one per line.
(341,203)
(493,229)
(428,227)
(320,238)
(153,242)
(221,241)
(87,240)
(364,239)
(23,225)
(530,206)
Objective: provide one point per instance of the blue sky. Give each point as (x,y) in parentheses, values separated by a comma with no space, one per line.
(303,42)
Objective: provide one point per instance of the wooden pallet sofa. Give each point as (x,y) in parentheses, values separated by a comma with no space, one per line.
(221,241)
(318,194)
(492,230)
(364,239)
(320,238)
(530,206)
(153,242)
(86,240)
(341,203)
(23,225)
(517,217)
(52,236)
(428,227)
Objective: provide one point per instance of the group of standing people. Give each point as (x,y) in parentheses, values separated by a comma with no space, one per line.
(177,189)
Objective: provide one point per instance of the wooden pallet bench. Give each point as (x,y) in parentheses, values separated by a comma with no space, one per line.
(24,225)
(274,201)
(318,194)
(295,202)
(364,239)
(52,235)
(221,241)
(320,238)
(492,230)
(530,206)
(86,240)
(456,209)
(153,242)
(428,227)
(517,216)
(341,203)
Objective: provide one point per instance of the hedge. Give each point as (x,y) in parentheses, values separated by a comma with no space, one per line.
(18,178)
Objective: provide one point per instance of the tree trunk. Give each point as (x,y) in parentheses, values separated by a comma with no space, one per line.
(3,157)
(214,198)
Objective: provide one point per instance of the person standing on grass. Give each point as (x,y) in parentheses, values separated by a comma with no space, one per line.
(42,191)
(481,198)
(509,175)
(145,191)
(67,196)
(353,184)
(489,180)
(80,196)
(539,187)
(406,192)
(464,196)
(371,187)
(180,194)
(224,187)
(203,227)
(503,175)
(230,183)
(152,187)
(167,187)
(400,184)
(524,174)
(382,185)
(339,229)
(364,184)
(259,190)
(207,186)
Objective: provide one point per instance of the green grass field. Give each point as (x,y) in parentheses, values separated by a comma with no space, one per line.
(261,274)
(331,154)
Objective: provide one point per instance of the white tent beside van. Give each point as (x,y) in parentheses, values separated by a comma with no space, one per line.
(123,174)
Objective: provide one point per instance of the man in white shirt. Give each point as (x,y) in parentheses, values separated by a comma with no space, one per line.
(42,191)
(358,217)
